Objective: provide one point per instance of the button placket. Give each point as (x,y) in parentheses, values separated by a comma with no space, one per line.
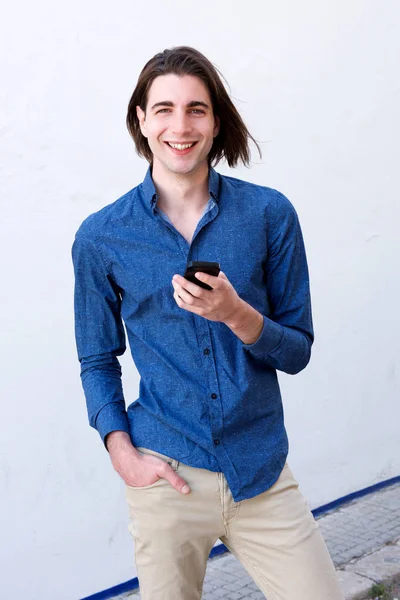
(203,328)
(211,380)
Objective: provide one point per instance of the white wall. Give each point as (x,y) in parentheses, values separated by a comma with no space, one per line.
(319,83)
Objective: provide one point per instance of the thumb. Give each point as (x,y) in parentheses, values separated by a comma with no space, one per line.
(177,482)
(223,276)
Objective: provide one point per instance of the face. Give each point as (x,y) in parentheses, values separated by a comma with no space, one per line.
(178,123)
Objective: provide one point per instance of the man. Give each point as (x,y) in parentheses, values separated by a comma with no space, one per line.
(203,450)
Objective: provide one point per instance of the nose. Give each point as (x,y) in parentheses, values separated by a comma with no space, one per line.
(180,124)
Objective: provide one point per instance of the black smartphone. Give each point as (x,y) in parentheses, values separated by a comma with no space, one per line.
(192,267)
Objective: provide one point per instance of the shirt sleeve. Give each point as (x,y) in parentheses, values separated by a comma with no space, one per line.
(100,338)
(287,335)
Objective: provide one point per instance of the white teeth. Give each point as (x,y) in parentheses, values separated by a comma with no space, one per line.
(181,146)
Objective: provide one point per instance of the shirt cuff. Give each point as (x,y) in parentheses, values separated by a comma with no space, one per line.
(112,418)
(269,340)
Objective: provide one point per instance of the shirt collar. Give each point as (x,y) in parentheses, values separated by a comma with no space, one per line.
(150,194)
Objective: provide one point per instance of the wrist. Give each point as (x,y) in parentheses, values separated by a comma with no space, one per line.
(117,439)
(239,315)
(247,323)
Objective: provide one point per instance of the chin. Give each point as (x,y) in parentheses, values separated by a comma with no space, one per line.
(182,169)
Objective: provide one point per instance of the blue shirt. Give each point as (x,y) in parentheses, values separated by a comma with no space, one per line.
(205,398)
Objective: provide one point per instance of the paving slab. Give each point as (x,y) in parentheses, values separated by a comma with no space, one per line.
(362,525)
(353,586)
(382,566)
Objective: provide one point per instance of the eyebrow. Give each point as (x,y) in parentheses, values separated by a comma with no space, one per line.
(190,104)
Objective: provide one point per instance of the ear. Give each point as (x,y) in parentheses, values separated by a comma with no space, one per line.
(216,126)
(141,115)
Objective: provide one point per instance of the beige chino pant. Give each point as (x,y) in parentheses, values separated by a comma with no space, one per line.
(273,535)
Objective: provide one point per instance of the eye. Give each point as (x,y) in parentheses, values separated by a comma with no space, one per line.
(163,110)
(198,111)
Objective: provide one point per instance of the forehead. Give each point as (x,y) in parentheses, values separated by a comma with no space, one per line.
(179,89)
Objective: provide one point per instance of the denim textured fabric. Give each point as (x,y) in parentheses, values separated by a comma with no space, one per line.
(205,398)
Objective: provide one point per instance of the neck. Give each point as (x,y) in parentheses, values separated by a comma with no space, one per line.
(180,193)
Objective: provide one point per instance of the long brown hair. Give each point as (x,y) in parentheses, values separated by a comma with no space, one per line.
(232,141)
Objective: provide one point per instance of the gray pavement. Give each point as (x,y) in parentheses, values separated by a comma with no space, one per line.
(363,538)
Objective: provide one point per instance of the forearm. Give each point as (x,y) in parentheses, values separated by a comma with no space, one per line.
(119,440)
(116,438)
(280,347)
(246,323)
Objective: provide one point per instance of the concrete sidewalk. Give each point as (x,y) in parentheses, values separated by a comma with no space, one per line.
(363,537)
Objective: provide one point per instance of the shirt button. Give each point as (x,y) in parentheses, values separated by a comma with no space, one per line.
(216,442)
(207,351)
(214,396)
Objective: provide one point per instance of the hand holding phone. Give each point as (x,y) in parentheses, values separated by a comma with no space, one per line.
(192,267)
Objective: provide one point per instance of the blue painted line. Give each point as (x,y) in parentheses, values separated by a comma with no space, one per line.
(217,550)
(345,499)
(128,586)
(133,584)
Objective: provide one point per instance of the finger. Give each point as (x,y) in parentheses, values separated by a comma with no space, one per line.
(223,276)
(182,304)
(178,300)
(177,482)
(212,281)
(197,310)
(184,295)
(189,286)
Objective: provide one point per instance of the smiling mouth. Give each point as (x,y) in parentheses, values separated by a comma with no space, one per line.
(180,146)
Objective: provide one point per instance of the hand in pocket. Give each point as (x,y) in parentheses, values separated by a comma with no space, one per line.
(141,470)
